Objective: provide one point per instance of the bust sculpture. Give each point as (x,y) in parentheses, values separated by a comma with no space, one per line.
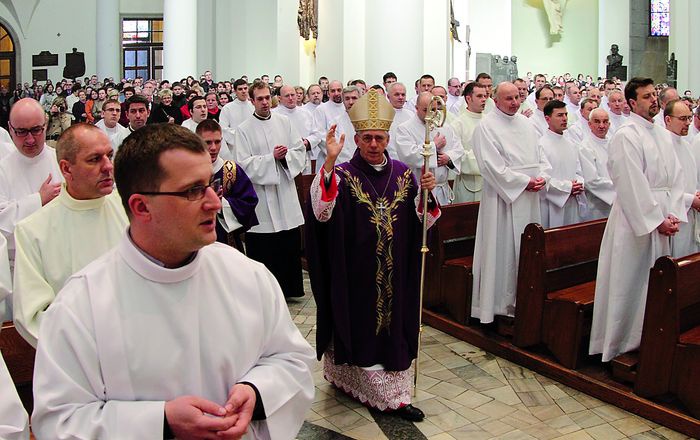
(614,59)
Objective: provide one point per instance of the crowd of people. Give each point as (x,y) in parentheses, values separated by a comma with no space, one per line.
(194,162)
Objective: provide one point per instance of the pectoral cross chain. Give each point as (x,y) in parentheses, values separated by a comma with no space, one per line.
(381,207)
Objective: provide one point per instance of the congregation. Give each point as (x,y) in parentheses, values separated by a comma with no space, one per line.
(82,164)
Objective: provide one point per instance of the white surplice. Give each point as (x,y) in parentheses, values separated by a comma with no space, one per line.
(125,335)
(455,104)
(232,115)
(54,243)
(278,206)
(557,205)
(649,183)
(507,152)
(116,135)
(600,193)
(303,121)
(324,115)
(190,124)
(310,107)
(468,183)
(577,132)
(410,141)
(616,122)
(401,115)
(685,242)
(20,180)
(539,122)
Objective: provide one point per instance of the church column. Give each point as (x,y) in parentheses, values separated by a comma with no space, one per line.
(179,39)
(684,16)
(108,39)
(437,55)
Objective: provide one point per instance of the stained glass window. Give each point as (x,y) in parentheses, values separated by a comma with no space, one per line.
(659,18)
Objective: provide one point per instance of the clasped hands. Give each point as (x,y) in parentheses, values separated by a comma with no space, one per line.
(535,184)
(192,417)
(669,226)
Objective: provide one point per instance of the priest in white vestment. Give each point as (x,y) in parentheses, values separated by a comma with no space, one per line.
(563,201)
(198,112)
(678,118)
(468,183)
(396,94)
(573,102)
(445,146)
(666,95)
(270,151)
(514,169)
(648,179)
(83,222)
(111,111)
(455,103)
(29,176)
(233,114)
(616,103)
(302,120)
(544,95)
(168,335)
(14,423)
(344,126)
(579,130)
(314,96)
(593,156)
(325,114)
(526,109)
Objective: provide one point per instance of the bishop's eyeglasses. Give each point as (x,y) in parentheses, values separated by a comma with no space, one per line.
(192,194)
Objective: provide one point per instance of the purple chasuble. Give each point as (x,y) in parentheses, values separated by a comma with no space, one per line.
(364,265)
(239,193)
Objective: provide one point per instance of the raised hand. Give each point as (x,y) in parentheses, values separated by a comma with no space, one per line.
(48,191)
(333,148)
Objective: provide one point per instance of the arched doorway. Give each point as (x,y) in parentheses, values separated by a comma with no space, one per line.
(7,59)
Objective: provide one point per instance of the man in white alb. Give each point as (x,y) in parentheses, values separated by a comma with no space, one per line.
(649,206)
(169,335)
(455,103)
(344,126)
(525,107)
(573,102)
(468,183)
(83,222)
(111,112)
(514,169)
(315,97)
(198,110)
(302,120)
(234,113)
(562,202)
(579,130)
(593,156)
(666,95)
(445,146)
(616,104)
(270,151)
(543,96)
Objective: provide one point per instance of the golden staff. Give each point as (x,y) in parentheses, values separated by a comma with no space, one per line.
(434,117)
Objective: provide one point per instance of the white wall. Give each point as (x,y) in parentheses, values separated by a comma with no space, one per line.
(490,23)
(139,8)
(685,15)
(575,51)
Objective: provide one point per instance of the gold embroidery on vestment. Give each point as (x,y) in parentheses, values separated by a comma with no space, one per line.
(382,217)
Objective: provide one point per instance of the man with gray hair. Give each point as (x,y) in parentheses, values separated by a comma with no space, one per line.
(396,94)
(616,104)
(593,156)
(302,120)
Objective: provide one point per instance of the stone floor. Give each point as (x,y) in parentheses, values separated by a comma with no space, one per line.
(467,393)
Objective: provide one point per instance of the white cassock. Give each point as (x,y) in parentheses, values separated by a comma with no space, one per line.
(231,116)
(125,335)
(324,115)
(116,135)
(401,115)
(190,124)
(600,193)
(539,122)
(468,183)
(616,122)
(53,244)
(659,118)
(685,242)
(573,112)
(507,152)
(14,423)
(557,205)
(344,126)
(455,104)
(303,121)
(278,206)
(649,183)
(20,180)
(410,139)
(310,107)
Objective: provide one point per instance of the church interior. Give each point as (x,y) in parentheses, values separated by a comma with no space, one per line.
(524,377)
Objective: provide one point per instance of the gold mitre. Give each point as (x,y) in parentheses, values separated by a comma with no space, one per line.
(372,112)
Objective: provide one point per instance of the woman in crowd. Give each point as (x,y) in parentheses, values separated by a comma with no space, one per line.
(48,97)
(59,121)
(165,111)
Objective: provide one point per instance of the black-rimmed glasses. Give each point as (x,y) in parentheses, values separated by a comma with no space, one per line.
(192,194)
(23,132)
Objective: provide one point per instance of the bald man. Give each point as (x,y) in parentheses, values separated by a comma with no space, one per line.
(665,96)
(593,156)
(514,169)
(302,120)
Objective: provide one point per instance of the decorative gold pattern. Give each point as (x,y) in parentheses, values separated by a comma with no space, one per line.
(372,112)
(382,216)
(229,175)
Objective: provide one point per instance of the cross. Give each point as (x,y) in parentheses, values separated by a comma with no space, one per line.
(381,207)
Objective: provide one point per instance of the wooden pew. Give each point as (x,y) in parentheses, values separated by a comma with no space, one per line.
(17,353)
(669,353)
(556,286)
(303,185)
(449,262)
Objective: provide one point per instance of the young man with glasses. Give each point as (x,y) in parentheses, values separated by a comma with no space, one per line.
(29,176)
(83,222)
(168,335)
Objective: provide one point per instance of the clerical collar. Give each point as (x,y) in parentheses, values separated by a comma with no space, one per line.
(79,204)
(503,114)
(262,118)
(217,164)
(379,166)
(156,261)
